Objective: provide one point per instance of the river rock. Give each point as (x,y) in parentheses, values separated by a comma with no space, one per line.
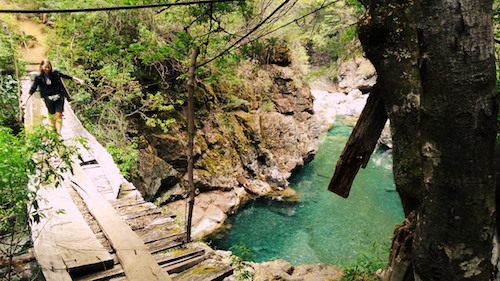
(239,154)
(356,73)
(210,210)
(328,106)
(385,139)
(283,270)
(152,172)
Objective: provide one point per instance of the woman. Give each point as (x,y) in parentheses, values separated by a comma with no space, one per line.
(52,91)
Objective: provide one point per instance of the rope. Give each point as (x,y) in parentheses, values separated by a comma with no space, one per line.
(131,7)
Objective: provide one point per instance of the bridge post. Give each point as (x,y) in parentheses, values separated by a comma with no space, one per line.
(190,113)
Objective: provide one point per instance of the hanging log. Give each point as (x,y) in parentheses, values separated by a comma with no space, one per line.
(360,145)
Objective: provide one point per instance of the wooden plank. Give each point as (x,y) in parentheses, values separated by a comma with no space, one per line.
(131,194)
(205,272)
(134,256)
(129,210)
(151,235)
(360,145)
(47,254)
(66,230)
(143,221)
(182,265)
(151,212)
(165,260)
(125,203)
(170,258)
(98,151)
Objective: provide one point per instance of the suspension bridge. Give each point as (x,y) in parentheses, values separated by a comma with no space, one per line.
(97,226)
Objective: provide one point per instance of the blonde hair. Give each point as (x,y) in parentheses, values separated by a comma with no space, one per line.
(44,62)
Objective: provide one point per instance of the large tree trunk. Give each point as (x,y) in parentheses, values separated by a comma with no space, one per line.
(456,226)
(435,66)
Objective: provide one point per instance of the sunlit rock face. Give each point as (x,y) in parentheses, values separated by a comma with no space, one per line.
(239,154)
(357,73)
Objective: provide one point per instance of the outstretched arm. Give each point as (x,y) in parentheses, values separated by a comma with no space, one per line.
(33,88)
(66,76)
(78,80)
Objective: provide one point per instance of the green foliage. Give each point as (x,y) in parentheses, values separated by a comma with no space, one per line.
(9,104)
(243,270)
(14,163)
(233,102)
(28,160)
(125,157)
(366,264)
(136,61)
(6,55)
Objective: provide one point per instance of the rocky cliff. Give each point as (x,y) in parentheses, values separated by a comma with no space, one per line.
(242,153)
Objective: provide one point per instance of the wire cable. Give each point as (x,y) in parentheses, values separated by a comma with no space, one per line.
(246,35)
(97,9)
(323,6)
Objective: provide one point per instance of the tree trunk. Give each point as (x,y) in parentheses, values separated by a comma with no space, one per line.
(388,35)
(435,67)
(456,226)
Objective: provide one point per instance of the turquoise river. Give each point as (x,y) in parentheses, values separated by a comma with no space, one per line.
(323,227)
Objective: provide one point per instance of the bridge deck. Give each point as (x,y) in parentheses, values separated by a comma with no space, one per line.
(98,226)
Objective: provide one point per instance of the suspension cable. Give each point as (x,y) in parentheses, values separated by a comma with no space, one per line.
(246,35)
(99,9)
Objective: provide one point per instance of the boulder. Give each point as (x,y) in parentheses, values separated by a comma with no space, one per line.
(153,175)
(210,210)
(283,270)
(356,73)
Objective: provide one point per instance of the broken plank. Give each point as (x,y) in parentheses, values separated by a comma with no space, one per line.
(360,145)
(140,214)
(171,258)
(205,272)
(74,241)
(125,203)
(153,235)
(128,214)
(160,246)
(134,257)
(167,259)
(183,265)
(117,271)
(98,151)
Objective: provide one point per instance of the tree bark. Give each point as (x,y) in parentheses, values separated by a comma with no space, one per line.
(435,67)
(388,35)
(456,226)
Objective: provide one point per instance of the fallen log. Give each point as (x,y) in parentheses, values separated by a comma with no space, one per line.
(360,145)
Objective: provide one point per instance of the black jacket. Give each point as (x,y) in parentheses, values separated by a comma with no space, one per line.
(55,85)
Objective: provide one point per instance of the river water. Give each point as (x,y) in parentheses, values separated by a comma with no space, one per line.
(323,227)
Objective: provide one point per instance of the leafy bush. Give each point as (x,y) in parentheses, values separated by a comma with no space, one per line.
(243,270)
(26,160)
(125,157)
(366,264)
(9,104)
